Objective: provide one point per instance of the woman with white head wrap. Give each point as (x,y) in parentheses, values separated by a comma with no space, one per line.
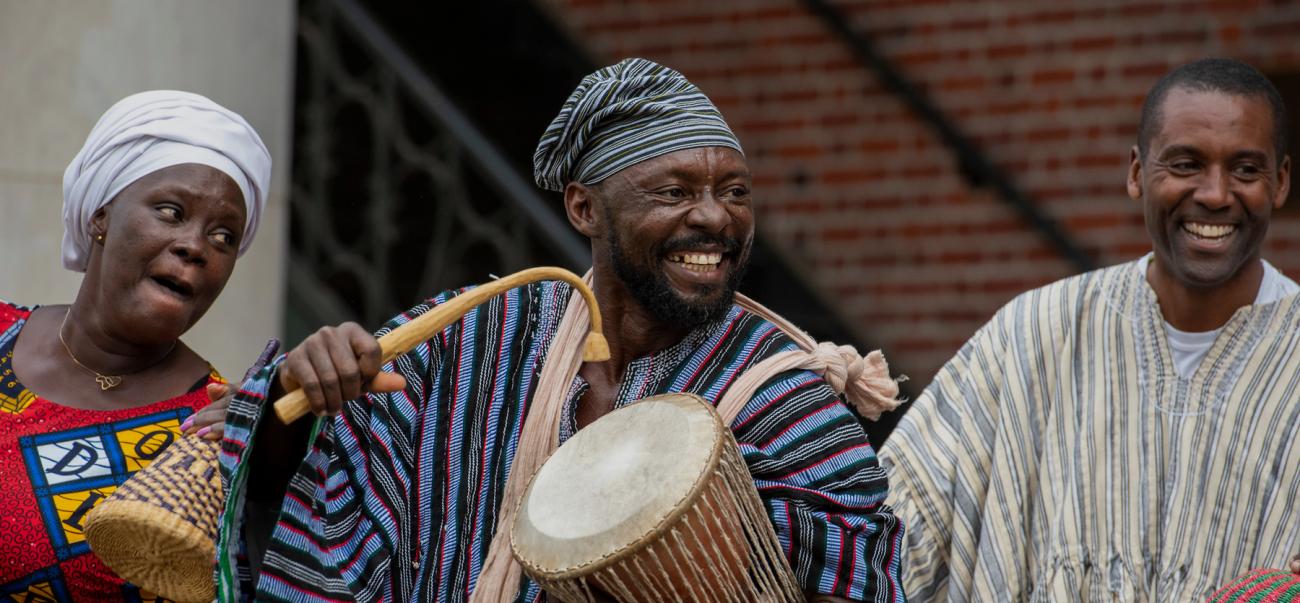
(166,193)
(149,131)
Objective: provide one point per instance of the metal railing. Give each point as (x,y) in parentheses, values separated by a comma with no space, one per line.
(973,163)
(396,194)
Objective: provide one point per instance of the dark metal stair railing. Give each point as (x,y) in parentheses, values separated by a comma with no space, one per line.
(974,164)
(396,194)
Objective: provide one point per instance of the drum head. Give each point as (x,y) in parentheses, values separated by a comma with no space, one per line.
(616,483)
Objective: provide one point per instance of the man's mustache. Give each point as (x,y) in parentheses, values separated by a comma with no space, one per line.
(729,245)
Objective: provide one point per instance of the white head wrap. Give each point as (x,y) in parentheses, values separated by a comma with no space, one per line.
(146,132)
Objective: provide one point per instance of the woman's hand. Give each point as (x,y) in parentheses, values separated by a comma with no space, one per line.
(1295,565)
(337,364)
(210,422)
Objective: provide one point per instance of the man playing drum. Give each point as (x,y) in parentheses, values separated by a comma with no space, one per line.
(403,489)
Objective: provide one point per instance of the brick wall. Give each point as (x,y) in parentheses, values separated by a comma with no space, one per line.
(862,194)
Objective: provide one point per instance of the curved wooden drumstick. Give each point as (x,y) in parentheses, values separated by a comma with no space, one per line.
(405,337)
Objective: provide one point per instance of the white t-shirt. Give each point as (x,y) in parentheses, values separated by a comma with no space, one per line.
(1190,348)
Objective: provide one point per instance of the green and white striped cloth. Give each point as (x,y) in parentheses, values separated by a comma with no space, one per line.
(622,115)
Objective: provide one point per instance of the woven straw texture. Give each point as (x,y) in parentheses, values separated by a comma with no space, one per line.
(157,530)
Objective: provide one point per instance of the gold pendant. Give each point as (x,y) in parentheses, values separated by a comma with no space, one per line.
(107,382)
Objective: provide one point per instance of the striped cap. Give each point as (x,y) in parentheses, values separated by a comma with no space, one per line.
(622,115)
(1259,586)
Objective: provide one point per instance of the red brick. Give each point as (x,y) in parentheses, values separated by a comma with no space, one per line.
(1057,133)
(1053,76)
(961,257)
(1094,43)
(914,172)
(880,145)
(841,234)
(1010,107)
(1090,222)
(1184,37)
(1093,102)
(918,58)
(796,96)
(799,151)
(840,119)
(1130,10)
(973,24)
(1007,51)
(852,176)
(1286,28)
(962,83)
(768,125)
(1145,71)
(1112,160)
(1052,16)
(801,207)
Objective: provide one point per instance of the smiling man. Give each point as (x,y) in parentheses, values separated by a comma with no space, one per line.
(401,494)
(1129,434)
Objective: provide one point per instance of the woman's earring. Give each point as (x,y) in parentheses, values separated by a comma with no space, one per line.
(99,237)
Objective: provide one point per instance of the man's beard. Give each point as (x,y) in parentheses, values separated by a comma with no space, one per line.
(650,287)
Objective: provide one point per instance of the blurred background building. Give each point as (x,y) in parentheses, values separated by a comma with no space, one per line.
(918,162)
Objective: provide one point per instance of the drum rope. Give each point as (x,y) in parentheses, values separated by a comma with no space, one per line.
(864,381)
(715,513)
(696,575)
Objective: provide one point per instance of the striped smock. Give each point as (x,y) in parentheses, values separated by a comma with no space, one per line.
(397,497)
(1060,457)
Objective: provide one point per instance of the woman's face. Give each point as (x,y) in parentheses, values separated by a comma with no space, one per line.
(170,243)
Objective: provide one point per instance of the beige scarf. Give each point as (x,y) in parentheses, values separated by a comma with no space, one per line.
(864,381)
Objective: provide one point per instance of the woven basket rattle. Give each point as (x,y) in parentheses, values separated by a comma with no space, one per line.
(651,503)
(158,529)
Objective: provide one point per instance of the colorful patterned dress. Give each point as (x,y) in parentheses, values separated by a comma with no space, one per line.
(57,463)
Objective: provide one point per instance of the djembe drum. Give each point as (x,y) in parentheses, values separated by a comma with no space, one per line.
(651,503)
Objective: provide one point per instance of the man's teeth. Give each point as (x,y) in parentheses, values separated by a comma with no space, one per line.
(1209,231)
(699,262)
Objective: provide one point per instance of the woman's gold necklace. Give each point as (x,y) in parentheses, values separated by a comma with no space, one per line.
(106,382)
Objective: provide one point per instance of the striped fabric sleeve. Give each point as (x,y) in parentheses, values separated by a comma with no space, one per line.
(339,525)
(823,488)
(351,517)
(936,459)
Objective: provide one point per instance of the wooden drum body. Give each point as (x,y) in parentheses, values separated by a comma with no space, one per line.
(651,503)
